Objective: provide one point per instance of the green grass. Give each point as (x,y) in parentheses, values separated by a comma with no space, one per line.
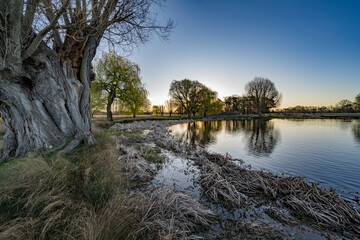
(147,118)
(152,155)
(241,116)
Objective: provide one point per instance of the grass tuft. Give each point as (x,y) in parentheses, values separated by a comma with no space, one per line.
(65,198)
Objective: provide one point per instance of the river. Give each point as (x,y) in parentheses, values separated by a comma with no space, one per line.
(323,151)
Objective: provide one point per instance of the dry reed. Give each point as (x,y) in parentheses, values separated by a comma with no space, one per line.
(170,214)
(222,177)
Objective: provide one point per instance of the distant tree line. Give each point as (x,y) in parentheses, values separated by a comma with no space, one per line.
(343,106)
(118,88)
(191,98)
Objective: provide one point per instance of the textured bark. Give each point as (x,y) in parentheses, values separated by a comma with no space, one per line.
(45,92)
(43,104)
(108,111)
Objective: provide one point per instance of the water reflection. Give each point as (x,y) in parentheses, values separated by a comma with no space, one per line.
(322,150)
(260,135)
(200,133)
(356,132)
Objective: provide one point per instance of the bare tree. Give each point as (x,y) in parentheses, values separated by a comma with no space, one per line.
(262,94)
(46,49)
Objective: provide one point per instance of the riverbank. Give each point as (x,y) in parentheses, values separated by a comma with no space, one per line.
(282,207)
(84,194)
(138,182)
(128,119)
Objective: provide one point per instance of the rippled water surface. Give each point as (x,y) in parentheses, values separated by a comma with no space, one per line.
(325,151)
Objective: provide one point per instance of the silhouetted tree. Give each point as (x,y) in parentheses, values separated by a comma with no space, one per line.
(262,94)
(187,94)
(232,103)
(307,109)
(216,106)
(345,105)
(357,103)
(207,101)
(46,50)
(241,104)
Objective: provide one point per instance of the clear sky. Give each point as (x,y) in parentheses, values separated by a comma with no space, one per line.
(310,49)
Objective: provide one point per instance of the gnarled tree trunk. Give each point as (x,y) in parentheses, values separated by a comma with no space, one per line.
(43,103)
(45,92)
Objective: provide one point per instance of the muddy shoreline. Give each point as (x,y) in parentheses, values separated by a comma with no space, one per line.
(247,203)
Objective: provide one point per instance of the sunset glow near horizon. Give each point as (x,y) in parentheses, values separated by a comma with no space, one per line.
(309,49)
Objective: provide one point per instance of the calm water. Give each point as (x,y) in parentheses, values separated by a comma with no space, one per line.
(324,151)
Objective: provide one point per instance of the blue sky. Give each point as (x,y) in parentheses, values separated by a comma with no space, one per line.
(309,49)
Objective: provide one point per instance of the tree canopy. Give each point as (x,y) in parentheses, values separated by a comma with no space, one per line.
(357,102)
(188,95)
(120,78)
(97,99)
(262,94)
(134,96)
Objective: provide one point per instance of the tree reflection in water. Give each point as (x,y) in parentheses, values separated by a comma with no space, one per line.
(201,133)
(356,132)
(261,136)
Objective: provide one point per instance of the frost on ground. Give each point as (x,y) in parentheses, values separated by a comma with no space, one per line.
(251,204)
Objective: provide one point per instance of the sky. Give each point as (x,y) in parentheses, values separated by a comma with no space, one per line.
(310,49)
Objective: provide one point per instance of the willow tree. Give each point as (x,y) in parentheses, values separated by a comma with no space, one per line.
(114,75)
(135,98)
(46,50)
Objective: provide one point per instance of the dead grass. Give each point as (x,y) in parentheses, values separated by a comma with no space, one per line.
(34,201)
(168,214)
(80,195)
(64,198)
(102,124)
(225,182)
(136,170)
